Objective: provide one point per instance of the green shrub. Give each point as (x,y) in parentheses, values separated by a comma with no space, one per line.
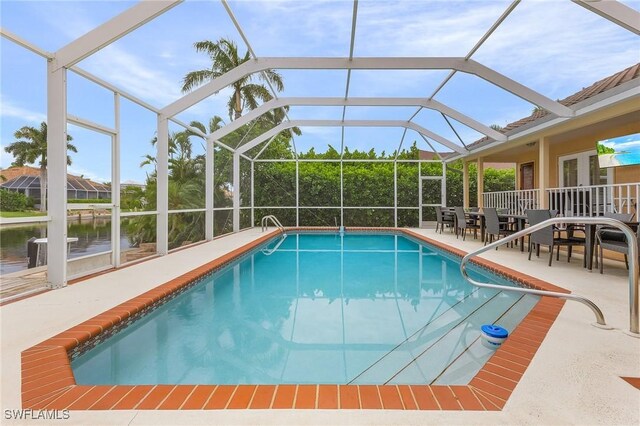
(14,201)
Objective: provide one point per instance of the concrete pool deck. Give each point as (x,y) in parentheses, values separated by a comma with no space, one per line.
(573,378)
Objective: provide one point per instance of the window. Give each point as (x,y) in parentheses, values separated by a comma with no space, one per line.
(582,169)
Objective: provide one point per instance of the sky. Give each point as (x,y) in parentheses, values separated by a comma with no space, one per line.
(555,47)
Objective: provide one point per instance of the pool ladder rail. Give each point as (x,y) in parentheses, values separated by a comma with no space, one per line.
(634,329)
(269,251)
(265,223)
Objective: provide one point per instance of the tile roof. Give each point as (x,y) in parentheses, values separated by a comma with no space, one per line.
(13,172)
(596,88)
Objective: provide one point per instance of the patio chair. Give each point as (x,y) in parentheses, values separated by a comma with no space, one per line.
(464,223)
(613,239)
(547,237)
(494,227)
(443,218)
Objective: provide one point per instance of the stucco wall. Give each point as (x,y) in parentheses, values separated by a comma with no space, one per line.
(560,146)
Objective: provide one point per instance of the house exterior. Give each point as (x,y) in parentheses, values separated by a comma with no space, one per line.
(26,180)
(556,160)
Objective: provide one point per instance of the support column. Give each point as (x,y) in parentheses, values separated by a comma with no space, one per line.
(56,176)
(253,195)
(443,187)
(465,184)
(297,192)
(341,195)
(480,181)
(115,186)
(395,194)
(209,189)
(543,172)
(162,179)
(236,192)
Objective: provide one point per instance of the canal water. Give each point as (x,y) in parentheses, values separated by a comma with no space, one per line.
(94,236)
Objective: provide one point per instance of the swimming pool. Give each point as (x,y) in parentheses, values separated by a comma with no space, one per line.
(321,308)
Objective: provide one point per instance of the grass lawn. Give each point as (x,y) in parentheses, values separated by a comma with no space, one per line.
(22,214)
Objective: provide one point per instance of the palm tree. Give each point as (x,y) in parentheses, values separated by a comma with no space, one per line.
(225,57)
(215,123)
(275,117)
(31,147)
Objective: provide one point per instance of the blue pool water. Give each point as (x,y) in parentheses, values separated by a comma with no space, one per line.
(320,309)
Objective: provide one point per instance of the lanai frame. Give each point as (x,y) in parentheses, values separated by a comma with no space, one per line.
(66,58)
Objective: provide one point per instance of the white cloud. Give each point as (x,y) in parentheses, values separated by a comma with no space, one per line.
(417,28)
(9,109)
(558,47)
(127,70)
(79,171)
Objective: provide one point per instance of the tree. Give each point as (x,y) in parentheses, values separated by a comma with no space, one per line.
(225,57)
(31,147)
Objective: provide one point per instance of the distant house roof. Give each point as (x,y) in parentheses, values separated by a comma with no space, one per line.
(596,88)
(13,172)
(29,177)
(430,155)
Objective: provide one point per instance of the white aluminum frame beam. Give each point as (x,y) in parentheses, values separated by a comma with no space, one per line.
(614,11)
(350,123)
(456,63)
(110,31)
(57,176)
(294,101)
(352,42)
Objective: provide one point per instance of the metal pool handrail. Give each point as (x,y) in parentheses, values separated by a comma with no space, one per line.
(633,266)
(269,251)
(274,220)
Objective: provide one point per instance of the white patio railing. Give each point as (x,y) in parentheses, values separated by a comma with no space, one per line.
(593,200)
(515,202)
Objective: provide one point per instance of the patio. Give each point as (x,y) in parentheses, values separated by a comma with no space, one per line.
(567,388)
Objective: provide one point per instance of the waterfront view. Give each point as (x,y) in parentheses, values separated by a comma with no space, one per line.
(94,236)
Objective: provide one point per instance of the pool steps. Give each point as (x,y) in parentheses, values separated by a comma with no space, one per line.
(428,352)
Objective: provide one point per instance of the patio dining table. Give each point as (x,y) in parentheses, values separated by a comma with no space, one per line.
(519,219)
(521,223)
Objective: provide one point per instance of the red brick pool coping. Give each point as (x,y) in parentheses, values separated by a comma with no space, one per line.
(48,381)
